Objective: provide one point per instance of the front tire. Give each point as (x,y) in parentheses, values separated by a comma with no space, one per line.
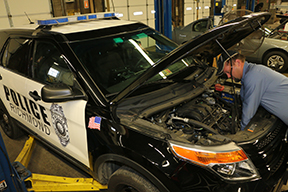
(128,180)
(276,60)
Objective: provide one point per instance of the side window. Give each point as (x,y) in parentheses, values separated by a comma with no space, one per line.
(49,66)
(15,56)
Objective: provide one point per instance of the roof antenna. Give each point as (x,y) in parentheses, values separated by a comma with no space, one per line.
(31,22)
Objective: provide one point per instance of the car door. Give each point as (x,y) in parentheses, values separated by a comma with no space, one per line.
(61,124)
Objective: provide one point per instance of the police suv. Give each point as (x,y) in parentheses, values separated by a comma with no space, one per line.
(134,110)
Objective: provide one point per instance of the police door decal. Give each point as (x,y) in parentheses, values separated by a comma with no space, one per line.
(67,125)
(25,109)
(60,124)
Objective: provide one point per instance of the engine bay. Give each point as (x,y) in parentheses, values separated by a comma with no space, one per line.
(209,115)
(201,119)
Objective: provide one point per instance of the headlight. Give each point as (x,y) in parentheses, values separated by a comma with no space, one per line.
(229,161)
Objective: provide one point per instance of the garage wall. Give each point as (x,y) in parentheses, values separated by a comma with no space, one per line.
(232,3)
(35,9)
(134,10)
(194,11)
(142,11)
(4,22)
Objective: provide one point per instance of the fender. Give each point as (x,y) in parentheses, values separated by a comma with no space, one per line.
(119,159)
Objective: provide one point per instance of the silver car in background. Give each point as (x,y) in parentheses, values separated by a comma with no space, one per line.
(183,34)
(269,48)
(274,49)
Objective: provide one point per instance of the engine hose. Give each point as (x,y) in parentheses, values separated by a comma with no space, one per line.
(197,123)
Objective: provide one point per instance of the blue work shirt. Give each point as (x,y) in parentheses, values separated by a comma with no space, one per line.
(263,86)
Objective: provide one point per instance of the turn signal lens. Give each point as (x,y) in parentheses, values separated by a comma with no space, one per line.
(208,157)
(228,160)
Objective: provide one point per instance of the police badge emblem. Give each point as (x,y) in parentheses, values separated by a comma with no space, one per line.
(60,124)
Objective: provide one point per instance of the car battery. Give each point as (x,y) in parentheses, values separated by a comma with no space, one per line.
(227,97)
(227,91)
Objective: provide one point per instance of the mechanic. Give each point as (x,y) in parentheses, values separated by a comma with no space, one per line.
(260,86)
(258,7)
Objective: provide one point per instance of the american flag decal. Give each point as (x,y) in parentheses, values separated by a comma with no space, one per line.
(94,123)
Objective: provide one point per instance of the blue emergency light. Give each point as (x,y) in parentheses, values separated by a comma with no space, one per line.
(74,18)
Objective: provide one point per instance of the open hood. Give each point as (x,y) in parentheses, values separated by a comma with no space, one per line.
(208,45)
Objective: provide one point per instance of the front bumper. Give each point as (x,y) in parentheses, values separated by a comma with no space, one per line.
(193,178)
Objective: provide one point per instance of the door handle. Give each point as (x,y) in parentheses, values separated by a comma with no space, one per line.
(35,95)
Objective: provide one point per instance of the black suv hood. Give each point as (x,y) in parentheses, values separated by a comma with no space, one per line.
(207,45)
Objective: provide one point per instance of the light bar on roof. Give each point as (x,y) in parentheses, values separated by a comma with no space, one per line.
(74,18)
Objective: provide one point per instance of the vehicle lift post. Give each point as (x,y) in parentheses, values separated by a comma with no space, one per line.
(39,182)
(163,17)
(10,179)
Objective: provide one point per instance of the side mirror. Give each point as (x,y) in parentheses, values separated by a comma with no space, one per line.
(61,93)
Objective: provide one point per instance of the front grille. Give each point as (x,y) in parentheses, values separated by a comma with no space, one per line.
(269,138)
(270,152)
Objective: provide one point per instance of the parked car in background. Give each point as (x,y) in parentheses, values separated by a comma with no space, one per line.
(271,51)
(183,34)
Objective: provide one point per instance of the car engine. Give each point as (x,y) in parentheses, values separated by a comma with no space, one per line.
(211,112)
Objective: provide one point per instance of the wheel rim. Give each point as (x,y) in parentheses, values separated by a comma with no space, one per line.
(275,62)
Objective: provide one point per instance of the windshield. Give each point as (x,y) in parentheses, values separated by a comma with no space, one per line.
(116,61)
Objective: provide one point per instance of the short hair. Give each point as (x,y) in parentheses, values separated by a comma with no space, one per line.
(238,56)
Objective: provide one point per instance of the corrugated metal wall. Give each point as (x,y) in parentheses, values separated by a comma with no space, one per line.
(35,9)
(134,10)
(142,11)
(194,10)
